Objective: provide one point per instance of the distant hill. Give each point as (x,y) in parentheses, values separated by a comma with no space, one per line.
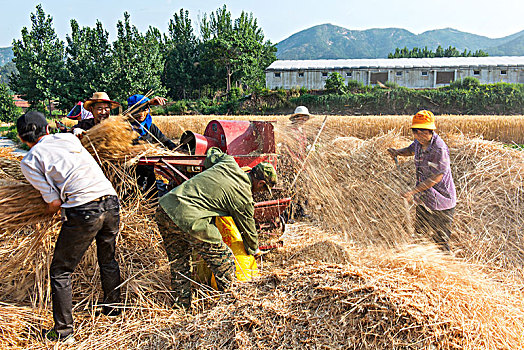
(327,41)
(6,55)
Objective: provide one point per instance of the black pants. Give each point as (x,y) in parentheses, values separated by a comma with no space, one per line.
(437,220)
(97,220)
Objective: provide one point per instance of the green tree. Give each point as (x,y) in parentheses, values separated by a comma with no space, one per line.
(439,52)
(8,111)
(235,51)
(181,69)
(88,63)
(335,84)
(39,59)
(138,61)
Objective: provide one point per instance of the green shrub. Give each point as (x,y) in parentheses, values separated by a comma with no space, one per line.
(354,86)
(8,110)
(335,84)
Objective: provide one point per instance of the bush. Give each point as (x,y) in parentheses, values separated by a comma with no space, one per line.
(354,86)
(335,84)
(465,84)
(8,110)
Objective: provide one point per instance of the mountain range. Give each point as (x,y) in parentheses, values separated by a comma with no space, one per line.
(327,41)
(6,55)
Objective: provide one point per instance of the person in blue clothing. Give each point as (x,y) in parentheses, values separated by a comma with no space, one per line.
(142,122)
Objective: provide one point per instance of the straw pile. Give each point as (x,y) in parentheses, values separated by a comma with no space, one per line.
(353,186)
(346,280)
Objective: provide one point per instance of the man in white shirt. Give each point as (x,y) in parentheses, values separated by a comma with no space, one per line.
(68,177)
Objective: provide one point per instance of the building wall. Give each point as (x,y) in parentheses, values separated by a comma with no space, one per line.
(315,79)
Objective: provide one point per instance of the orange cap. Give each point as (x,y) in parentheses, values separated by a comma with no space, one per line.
(423,120)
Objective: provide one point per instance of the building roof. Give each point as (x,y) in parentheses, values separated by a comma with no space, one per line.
(399,63)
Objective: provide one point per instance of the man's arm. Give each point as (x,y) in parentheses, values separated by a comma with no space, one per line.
(423,186)
(161,137)
(246,225)
(36,178)
(406,151)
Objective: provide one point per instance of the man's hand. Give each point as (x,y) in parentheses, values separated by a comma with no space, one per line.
(409,196)
(158,101)
(78,132)
(393,152)
(258,253)
(54,206)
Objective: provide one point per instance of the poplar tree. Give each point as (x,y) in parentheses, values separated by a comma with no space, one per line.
(39,59)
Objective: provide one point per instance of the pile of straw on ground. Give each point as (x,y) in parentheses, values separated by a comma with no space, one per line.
(347,280)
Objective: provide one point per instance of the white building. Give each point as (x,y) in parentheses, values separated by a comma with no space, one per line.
(409,72)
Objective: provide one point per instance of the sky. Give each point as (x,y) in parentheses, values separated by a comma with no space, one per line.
(278,19)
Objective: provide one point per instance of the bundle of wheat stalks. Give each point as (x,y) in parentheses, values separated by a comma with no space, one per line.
(112,141)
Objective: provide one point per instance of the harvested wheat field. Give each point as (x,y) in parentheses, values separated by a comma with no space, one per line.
(352,276)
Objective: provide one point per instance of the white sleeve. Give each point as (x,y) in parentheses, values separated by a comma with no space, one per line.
(32,172)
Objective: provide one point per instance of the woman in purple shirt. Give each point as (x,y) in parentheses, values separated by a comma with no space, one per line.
(434,192)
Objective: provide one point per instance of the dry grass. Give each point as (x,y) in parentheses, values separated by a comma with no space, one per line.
(507,129)
(354,278)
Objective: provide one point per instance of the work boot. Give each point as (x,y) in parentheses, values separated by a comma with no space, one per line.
(51,335)
(110,311)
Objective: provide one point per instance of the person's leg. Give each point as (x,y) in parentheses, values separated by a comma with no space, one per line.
(440,222)
(105,249)
(422,225)
(179,254)
(75,236)
(220,260)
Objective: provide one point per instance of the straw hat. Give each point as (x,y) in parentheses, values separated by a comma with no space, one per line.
(99,97)
(301,112)
(424,120)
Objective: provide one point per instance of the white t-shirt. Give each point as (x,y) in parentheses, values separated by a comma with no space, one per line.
(61,168)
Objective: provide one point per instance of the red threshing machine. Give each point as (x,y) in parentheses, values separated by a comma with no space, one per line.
(249,142)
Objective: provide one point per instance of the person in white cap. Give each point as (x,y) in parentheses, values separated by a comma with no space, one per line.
(296,149)
(298,119)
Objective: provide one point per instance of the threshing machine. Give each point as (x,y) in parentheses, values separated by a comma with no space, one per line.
(249,142)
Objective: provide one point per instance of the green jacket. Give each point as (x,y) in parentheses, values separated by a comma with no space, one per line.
(223,189)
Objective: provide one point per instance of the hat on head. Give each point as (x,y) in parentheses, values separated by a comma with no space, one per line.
(301,112)
(99,97)
(423,120)
(136,99)
(265,171)
(32,117)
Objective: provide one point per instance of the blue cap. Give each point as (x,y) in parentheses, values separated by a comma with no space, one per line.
(131,101)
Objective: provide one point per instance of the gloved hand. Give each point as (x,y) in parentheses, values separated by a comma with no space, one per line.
(78,132)
(258,253)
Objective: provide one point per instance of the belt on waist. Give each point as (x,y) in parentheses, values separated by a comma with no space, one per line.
(103,198)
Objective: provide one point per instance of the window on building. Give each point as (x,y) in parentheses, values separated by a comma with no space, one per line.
(277,75)
(503,72)
(376,77)
(445,77)
(399,74)
(324,74)
(476,72)
(349,74)
(301,74)
(424,73)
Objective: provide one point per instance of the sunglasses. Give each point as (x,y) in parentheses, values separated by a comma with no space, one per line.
(416,130)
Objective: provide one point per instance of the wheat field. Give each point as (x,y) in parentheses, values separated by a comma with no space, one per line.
(506,129)
(352,276)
